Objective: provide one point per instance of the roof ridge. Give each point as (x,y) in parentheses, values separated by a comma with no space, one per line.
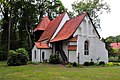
(42,25)
(73,21)
(48,33)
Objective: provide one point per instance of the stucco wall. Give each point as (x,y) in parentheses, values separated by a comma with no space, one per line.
(37,54)
(47,52)
(97,48)
(72,56)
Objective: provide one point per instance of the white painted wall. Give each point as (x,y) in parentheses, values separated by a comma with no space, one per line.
(47,52)
(73,43)
(86,29)
(72,56)
(37,54)
(65,18)
(96,50)
(96,47)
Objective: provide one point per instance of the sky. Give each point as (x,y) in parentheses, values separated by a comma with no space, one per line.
(110,23)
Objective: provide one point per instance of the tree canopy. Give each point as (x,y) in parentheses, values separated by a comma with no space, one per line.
(93,7)
(20,17)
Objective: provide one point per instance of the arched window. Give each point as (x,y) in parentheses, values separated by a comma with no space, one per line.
(43,55)
(86,48)
(35,54)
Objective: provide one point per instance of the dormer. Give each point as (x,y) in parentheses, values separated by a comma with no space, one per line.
(38,31)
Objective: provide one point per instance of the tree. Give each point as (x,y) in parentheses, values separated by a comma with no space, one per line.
(52,8)
(20,17)
(93,7)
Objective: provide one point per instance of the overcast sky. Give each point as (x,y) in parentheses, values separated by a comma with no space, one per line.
(110,23)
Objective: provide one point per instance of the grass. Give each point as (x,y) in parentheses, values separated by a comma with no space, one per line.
(57,72)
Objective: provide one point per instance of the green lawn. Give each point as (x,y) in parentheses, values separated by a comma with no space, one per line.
(57,72)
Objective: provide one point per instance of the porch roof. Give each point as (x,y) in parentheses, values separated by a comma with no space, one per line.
(74,39)
(42,45)
(43,24)
(72,48)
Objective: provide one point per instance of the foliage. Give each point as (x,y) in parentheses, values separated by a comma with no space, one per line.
(50,8)
(22,17)
(110,63)
(86,63)
(114,58)
(108,41)
(102,63)
(69,65)
(54,59)
(75,64)
(93,7)
(92,63)
(18,57)
(113,64)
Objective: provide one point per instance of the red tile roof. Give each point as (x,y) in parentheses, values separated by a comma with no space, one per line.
(72,48)
(69,28)
(43,24)
(42,45)
(53,25)
(74,39)
(115,45)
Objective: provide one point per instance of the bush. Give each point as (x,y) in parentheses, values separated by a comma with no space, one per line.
(69,65)
(74,64)
(101,63)
(110,63)
(54,59)
(91,63)
(86,63)
(18,57)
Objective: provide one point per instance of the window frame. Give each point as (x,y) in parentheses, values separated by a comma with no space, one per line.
(86,47)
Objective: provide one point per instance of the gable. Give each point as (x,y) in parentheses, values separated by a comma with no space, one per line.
(65,18)
(42,24)
(86,28)
(51,28)
(69,28)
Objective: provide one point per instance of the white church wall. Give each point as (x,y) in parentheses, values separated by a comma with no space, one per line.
(96,50)
(47,53)
(72,56)
(35,54)
(96,47)
(73,43)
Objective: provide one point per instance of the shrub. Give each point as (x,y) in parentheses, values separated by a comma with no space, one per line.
(18,57)
(101,63)
(86,63)
(54,59)
(75,64)
(69,65)
(91,63)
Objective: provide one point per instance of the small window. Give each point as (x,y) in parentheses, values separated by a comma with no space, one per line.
(35,54)
(43,55)
(86,48)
